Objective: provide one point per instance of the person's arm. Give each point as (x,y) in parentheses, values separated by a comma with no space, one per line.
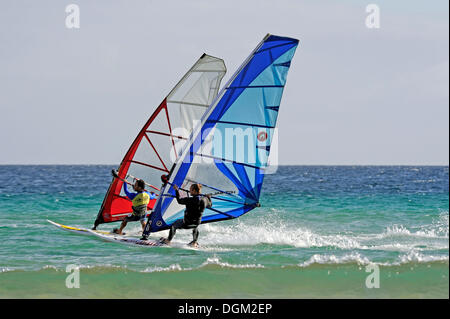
(181,201)
(205,203)
(202,205)
(208,201)
(129,195)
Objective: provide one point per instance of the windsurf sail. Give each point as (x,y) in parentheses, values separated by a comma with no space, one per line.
(228,151)
(158,144)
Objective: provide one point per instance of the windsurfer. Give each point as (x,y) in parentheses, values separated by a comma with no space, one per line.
(140,200)
(195,205)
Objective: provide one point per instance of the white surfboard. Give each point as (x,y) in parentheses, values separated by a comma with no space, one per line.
(122,239)
(138,242)
(77,230)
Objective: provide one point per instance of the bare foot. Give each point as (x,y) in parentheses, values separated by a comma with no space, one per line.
(164,241)
(193,244)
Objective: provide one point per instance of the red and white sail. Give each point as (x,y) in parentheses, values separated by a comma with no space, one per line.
(160,141)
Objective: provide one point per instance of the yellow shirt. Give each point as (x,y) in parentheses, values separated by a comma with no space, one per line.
(141,199)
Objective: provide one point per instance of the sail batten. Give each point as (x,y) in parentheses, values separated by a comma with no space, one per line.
(189,103)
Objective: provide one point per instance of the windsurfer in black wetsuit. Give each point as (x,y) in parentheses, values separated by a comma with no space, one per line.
(195,205)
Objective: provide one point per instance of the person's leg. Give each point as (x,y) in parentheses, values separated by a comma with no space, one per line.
(143,224)
(122,226)
(195,234)
(178,224)
(129,218)
(194,237)
(172,232)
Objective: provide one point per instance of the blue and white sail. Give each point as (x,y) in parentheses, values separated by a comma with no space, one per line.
(228,150)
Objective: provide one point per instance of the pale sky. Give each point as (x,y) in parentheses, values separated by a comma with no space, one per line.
(354,95)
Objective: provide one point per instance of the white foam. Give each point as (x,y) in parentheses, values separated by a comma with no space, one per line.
(216,261)
(394,238)
(9,226)
(236,234)
(333,259)
(6,269)
(49,267)
(438,230)
(411,257)
(101,266)
(416,256)
(174,267)
(275,232)
(209,261)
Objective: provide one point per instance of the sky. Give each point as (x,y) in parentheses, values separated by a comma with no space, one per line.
(354,95)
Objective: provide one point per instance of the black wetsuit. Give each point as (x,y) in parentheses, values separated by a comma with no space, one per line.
(195,207)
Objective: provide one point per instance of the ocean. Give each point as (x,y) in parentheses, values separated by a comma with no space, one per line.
(321,232)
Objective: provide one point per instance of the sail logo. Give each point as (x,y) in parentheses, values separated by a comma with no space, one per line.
(262,136)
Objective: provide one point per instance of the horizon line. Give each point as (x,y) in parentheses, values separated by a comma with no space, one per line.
(100,164)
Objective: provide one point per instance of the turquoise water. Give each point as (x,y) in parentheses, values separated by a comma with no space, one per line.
(318,229)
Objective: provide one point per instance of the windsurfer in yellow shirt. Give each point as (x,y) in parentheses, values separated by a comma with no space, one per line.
(140,200)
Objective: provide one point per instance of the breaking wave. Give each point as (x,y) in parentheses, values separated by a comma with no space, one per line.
(276,232)
(214,261)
